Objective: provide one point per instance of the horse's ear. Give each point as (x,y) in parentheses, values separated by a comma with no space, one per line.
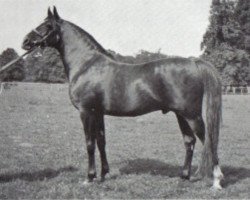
(50,15)
(56,15)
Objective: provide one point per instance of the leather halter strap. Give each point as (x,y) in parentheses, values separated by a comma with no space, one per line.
(43,37)
(37,32)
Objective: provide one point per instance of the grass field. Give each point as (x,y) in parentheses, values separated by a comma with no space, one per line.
(43,151)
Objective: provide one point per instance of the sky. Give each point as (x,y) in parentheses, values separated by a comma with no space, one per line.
(176,27)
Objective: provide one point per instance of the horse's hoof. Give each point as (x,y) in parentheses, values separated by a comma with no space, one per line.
(216,187)
(216,184)
(185,175)
(218,176)
(105,176)
(87,182)
(105,170)
(102,179)
(91,177)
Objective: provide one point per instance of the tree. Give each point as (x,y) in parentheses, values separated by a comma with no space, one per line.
(44,65)
(237,71)
(242,12)
(121,58)
(222,43)
(223,27)
(146,56)
(16,71)
(141,57)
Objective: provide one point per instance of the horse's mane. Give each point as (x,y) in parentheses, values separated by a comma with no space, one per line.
(91,41)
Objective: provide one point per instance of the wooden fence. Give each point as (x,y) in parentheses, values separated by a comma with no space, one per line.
(235,90)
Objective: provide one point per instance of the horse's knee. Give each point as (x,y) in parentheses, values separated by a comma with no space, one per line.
(100,138)
(90,147)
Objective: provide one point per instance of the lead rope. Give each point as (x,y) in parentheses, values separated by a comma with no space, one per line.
(17,59)
(14,61)
(5,67)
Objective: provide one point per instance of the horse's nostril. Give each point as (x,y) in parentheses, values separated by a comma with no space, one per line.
(26,41)
(26,44)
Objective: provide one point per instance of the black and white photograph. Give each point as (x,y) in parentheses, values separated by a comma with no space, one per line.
(124,99)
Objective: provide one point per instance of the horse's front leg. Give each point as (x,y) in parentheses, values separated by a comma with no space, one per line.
(88,120)
(101,142)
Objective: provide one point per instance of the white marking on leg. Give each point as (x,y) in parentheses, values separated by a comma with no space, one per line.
(102,133)
(185,172)
(188,139)
(218,175)
(86,182)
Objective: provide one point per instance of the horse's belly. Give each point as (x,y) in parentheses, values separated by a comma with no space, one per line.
(132,106)
(130,113)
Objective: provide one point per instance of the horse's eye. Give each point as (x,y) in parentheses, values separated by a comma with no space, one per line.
(49,26)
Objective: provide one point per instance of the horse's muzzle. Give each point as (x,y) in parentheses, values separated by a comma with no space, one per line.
(27,45)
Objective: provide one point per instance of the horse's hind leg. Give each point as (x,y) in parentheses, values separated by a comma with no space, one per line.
(189,142)
(88,120)
(101,142)
(198,127)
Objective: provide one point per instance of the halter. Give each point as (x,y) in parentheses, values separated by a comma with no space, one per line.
(40,42)
(43,37)
(37,32)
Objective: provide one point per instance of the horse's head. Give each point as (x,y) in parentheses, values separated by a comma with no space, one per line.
(46,34)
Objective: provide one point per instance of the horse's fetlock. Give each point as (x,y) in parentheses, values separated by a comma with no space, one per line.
(91,176)
(185,177)
(105,170)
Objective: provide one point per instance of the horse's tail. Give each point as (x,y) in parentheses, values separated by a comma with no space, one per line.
(212,89)
(1,87)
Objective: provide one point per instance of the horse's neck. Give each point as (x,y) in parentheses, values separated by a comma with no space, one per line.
(75,51)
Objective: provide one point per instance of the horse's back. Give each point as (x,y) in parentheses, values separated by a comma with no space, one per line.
(182,87)
(167,84)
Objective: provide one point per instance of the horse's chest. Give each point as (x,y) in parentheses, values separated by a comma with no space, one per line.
(86,95)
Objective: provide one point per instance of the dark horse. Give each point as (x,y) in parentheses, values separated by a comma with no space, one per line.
(99,85)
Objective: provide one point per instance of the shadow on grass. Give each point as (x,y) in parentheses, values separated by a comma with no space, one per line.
(155,167)
(234,174)
(35,176)
(150,166)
